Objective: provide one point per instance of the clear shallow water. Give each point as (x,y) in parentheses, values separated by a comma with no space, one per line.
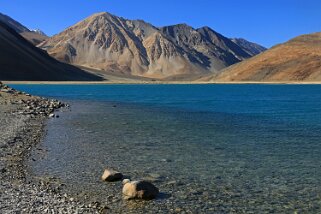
(209,148)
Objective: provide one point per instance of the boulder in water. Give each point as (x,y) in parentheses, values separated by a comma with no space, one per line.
(139,190)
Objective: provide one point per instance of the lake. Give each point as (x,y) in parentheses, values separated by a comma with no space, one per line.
(209,148)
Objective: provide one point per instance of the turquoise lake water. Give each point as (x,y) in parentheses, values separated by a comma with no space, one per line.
(209,148)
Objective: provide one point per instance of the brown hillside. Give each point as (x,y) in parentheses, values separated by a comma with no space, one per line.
(296,60)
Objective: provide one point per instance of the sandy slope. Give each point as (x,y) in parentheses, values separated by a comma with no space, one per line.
(298,60)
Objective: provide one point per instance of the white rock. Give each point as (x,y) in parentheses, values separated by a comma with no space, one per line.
(111,175)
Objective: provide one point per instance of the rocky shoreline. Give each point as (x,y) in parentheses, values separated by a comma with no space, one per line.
(22,126)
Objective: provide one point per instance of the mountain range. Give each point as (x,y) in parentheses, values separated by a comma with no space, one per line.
(108,46)
(133,47)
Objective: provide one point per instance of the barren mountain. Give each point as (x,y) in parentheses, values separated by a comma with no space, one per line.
(107,42)
(296,60)
(32,36)
(250,47)
(20,60)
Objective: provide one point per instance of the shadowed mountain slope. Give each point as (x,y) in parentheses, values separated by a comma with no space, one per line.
(20,60)
(250,47)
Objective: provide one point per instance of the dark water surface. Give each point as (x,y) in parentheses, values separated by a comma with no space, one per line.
(209,148)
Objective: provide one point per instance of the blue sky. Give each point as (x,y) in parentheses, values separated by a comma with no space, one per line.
(266,22)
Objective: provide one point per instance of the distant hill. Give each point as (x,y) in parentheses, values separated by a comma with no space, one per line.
(20,60)
(296,60)
(133,47)
(35,37)
(250,47)
(210,49)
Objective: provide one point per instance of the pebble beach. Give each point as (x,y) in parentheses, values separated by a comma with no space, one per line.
(22,120)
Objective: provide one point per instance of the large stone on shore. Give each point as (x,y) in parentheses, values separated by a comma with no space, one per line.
(111,175)
(139,190)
